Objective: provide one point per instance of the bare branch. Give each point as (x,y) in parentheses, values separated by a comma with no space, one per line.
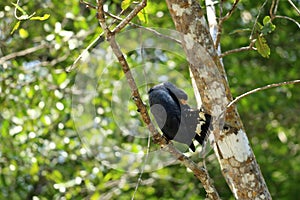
(222,20)
(21,53)
(230,12)
(273,8)
(143,167)
(258,14)
(145,28)
(101,17)
(84,52)
(262,88)
(250,47)
(295,7)
(130,16)
(88,5)
(288,18)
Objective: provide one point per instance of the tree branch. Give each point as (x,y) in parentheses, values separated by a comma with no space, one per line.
(145,28)
(84,52)
(21,53)
(288,18)
(261,89)
(295,7)
(250,47)
(200,172)
(222,20)
(130,16)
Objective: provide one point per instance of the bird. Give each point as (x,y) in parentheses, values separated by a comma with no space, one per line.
(175,118)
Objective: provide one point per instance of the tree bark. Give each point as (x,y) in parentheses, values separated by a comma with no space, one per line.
(237,161)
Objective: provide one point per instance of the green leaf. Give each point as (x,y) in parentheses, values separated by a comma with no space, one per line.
(16,26)
(43,18)
(60,78)
(23,33)
(143,16)
(267,27)
(56,176)
(125,4)
(262,46)
(34,169)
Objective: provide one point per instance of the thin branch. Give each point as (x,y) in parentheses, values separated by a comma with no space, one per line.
(88,5)
(21,53)
(262,88)
(273,8)
(251,45)
(248,48)
(84,52)
(288,18)
(230,12)
(91,45)
(143,167)
(101,17)
(130,16)
(55,61)
(222,20)
(258,14)
(276,6)
(145,28)
(295,7)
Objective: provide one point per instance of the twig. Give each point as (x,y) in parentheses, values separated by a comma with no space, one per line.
(258,14)
(295,7)
(262,88)
(230,12)
(84,52)
(276,6)
(273,8)
(88,5)
(23,16)
(221,21)
(145,28)
(21,53)
(226,53)
(143,167)
(130,16)
(288,18)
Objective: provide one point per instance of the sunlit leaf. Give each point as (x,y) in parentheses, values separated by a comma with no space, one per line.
(34,168)
(55,176)
(41,18)
(143,16)
(268,27)
(262,46)
(16,26)
(23,33)
(125,4)
(60,78)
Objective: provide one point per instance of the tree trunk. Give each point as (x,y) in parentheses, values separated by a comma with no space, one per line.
(237,161)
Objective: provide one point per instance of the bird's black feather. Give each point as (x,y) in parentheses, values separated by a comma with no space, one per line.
(177,120)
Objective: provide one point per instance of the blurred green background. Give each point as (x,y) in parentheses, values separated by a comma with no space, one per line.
(77,135)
